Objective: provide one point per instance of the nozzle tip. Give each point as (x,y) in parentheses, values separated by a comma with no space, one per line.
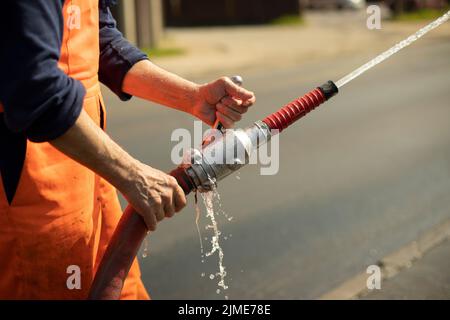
(329,89)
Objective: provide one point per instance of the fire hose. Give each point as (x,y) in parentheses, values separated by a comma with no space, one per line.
(200,174)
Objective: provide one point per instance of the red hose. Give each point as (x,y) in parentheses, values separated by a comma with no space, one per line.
(293,111)
(123,248)
(118,257)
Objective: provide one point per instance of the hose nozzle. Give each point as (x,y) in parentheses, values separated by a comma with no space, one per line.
(216,160)
(230,151)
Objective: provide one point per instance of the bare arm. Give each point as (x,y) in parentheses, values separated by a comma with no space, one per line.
(150,82)
(151,192)
(221,98)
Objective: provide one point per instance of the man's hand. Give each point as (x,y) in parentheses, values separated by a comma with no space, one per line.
(223,100)
(153,194)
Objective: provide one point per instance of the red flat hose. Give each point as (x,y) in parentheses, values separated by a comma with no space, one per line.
(131,230)
(123,248)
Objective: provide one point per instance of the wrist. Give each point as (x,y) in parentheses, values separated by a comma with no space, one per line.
(193,98)
(122,171)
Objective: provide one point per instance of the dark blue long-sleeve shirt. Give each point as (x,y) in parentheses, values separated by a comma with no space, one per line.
(117,55)
(39,100)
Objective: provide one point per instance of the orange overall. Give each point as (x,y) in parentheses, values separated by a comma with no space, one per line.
(62,214)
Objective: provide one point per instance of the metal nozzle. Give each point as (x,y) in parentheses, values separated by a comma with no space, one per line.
(225,155)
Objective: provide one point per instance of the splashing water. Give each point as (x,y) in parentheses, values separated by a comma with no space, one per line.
(197,219)
(145,251)
(399,46)
(209,198)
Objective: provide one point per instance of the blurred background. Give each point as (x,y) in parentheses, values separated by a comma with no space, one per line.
(363,176)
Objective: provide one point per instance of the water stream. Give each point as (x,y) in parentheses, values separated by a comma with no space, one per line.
(399,46)
(211,201)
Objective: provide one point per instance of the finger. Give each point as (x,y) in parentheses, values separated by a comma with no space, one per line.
(234,104)
(159,213)
(167,197)
(225,120)
(158,208)
(178,195)
(231,102)
(236,91)
(230,113)
(249,102)
(179,198)
(150,220)
(169,209)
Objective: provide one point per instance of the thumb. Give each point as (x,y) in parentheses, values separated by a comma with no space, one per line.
(236,91)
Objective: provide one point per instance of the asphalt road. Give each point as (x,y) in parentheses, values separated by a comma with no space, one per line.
(430,274)
(360,177)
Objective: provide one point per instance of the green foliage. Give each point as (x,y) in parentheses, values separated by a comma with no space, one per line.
(163,52)
(288,20)
(421,14)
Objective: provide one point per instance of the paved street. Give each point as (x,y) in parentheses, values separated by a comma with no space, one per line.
(360,177)
(428,278)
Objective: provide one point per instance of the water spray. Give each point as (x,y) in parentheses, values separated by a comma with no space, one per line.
(201,172)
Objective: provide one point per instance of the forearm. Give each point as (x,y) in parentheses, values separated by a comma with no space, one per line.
(150,82)
(90,146)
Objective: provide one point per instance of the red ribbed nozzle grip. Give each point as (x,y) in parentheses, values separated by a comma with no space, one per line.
(293,111)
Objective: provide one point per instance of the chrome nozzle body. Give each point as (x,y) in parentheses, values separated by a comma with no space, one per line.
(224,155)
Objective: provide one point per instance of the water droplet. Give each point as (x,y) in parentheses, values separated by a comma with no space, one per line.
(203,274)
(145,252)
(226,297)
(211,276)
(218,291)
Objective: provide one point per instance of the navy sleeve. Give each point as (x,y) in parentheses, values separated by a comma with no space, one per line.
(117,55)
(38,98)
